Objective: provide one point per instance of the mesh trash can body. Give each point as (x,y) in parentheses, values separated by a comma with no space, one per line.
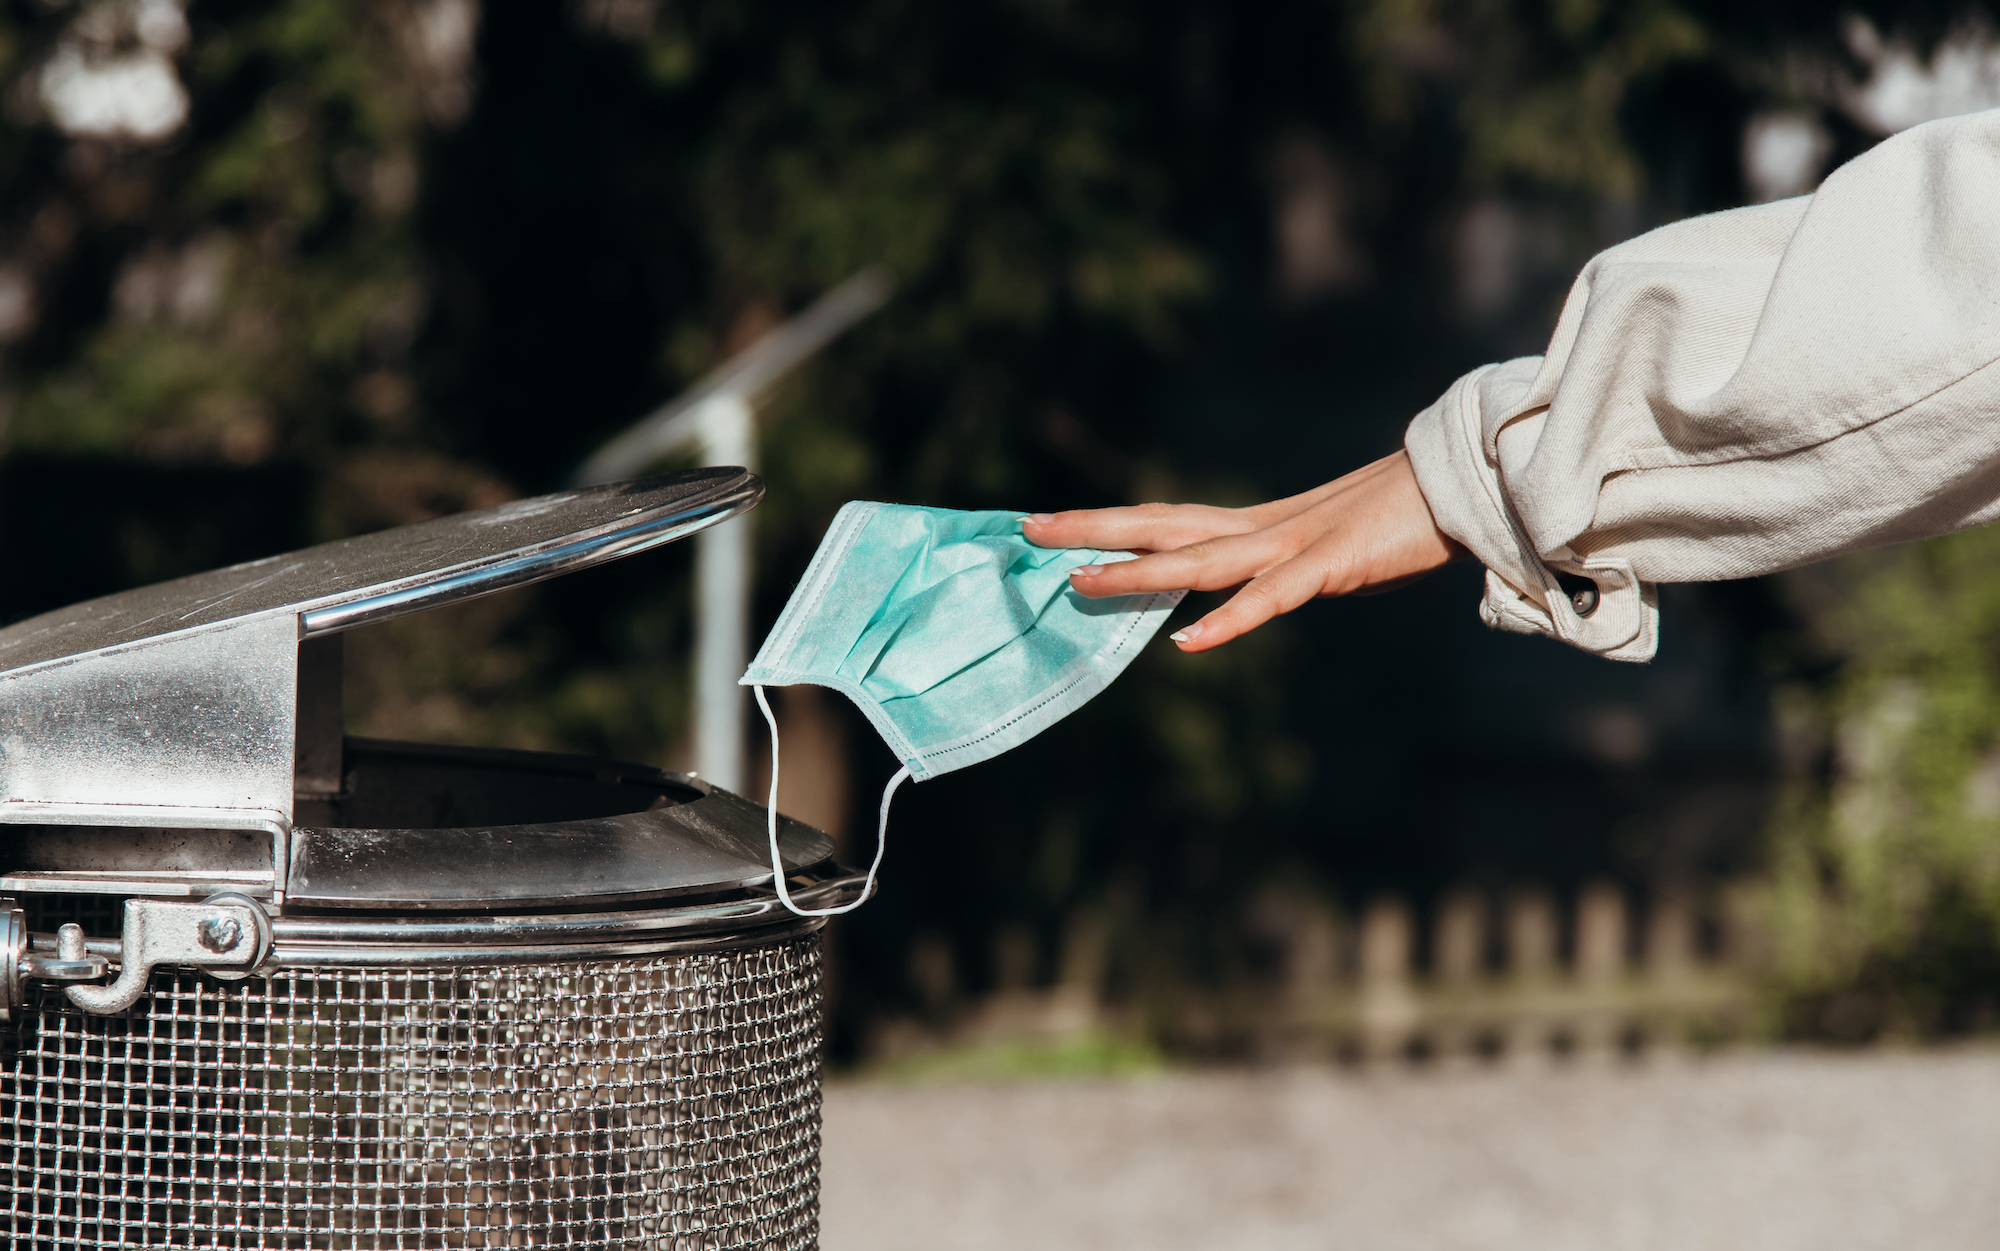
(665,1102)
(263,985)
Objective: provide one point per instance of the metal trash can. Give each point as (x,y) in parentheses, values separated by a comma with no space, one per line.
(267,986)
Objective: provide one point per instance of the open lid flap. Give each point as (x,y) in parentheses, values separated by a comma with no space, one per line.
(175,705)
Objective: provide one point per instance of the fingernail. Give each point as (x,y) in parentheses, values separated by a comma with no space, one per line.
(1040,519)
(1188,635)
(1086,571)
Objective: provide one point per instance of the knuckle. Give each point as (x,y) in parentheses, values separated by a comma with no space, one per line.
(1199,562)
(1258,596)
(1332,563)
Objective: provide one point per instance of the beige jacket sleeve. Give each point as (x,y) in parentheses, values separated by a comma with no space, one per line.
(1741,393)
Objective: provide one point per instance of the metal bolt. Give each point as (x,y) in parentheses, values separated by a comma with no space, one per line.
(221,934)
(69,942)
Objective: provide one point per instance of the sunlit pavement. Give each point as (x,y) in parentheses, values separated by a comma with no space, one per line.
(1770,1151)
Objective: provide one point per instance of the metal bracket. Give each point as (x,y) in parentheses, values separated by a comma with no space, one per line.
(277,825)
(20,963)
(228,935)
(73,961)
(14,933)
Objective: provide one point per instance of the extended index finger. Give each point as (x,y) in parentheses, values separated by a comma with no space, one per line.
(1164,527)
(1208,565)
(1140,527)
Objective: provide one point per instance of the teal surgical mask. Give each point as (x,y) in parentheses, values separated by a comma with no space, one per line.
(955,635)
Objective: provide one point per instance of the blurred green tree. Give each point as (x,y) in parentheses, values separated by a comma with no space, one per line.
(1885,887)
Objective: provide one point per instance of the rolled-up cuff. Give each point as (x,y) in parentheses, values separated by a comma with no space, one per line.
(1467,496)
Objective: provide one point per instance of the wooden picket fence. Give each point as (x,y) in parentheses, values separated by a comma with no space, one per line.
(1497,984)
(1611,995)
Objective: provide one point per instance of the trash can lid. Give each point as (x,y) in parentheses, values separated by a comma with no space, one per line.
(375,577)
(175,706)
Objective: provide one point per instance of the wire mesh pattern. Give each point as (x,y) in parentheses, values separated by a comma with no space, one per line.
(666,1103)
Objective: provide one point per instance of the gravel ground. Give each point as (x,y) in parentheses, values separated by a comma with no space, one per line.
(1782,1151)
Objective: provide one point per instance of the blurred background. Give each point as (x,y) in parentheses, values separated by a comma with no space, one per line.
(274,273)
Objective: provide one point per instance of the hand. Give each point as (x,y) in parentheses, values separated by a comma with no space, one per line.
(1369,531)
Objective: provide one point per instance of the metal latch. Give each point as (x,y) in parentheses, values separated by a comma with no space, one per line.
(226,936)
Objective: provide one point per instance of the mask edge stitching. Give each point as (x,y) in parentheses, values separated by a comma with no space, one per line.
(818,577)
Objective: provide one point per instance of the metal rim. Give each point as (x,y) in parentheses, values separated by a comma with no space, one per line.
(428,939)
(384,955)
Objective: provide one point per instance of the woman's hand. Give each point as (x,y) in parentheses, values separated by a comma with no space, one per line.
(1369,531)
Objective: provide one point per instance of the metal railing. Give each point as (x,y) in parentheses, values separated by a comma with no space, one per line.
(717,419)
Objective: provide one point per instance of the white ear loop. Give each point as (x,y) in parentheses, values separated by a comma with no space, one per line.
(777,861)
